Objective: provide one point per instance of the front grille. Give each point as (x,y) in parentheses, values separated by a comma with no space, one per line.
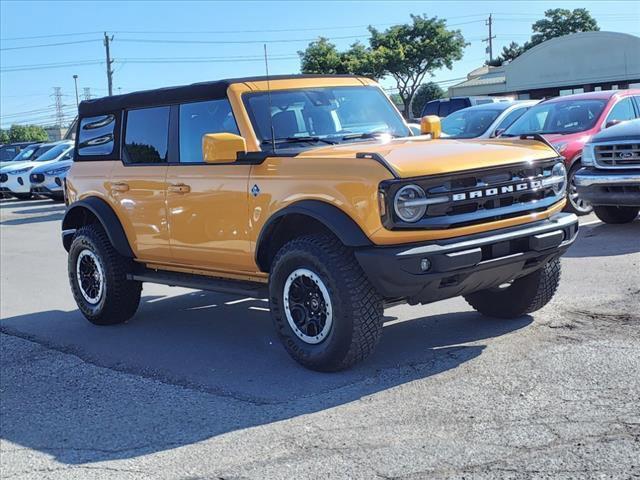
(3,177)
(618,155)
(36,177)
(482,196)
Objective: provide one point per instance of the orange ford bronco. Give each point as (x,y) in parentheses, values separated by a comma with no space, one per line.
(310,190)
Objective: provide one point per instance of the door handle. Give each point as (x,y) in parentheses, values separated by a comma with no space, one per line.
(179,188)
(120,187)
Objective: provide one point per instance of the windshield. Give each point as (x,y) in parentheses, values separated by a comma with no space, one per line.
(26,154)
(53,153)
(468,123)
(327,115)
(570,116)
(8,153)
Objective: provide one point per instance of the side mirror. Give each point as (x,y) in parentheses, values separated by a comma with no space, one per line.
(499,132)
(611,123)
(431,125)
(222,147)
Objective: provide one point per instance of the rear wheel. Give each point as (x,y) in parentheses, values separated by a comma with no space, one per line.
(575,203)
(524,295)
(617,214)
(326,313)
(98,278)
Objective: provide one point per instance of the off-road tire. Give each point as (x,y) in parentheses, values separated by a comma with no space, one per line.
(616,214)
(357,307)
(571,206)
(120,297)
(525,295)
(23,196)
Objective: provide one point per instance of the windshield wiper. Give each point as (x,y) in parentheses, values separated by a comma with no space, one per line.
(353,136)
(307,139)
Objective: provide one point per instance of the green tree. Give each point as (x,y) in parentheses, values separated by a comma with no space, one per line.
(4,137)
(426,93)
(407,52)
(509,52)
(27,133)
(323,57)
(411,51)
(559,22)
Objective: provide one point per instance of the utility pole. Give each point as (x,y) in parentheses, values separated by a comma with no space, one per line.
(57,95)
(86,93)
(75,81)
(489,23)
(108,39)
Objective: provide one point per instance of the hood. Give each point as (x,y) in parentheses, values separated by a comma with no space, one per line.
(557,138)
(19,165)
(43,167)
(420,156)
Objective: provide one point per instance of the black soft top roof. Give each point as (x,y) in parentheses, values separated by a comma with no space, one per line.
(171,95)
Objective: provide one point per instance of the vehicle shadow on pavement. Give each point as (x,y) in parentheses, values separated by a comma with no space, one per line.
(51,217)
(15,203)
(196,366)
(605,240)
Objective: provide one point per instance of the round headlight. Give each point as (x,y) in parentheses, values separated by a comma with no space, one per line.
(559,171)
(407,203)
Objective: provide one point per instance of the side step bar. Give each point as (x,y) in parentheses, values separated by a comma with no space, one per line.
(201,282)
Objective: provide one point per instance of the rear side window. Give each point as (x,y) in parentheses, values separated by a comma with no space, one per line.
(458,104)
(96,135)
(146,135)
(443,109)
(431,108)
(200,118)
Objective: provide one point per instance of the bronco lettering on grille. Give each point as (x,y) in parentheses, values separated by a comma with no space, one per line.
(489,192)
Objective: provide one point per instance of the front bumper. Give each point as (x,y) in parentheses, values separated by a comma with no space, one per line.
(464,265)
(601,187)
(17,183)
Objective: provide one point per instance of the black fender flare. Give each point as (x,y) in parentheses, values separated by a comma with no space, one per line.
(334,219)
(105,215)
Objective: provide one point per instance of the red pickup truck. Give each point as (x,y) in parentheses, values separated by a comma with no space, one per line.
(568,122)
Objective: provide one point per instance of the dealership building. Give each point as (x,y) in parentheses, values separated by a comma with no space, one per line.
(576,63)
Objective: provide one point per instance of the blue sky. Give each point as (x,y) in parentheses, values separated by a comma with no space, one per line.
(143,61)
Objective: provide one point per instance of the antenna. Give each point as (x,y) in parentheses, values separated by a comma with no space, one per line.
(273,132)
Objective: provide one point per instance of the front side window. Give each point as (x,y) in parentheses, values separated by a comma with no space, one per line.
(200,118)
(622,111)
(146,135)
(468,123)
(303,117)
(560,117)
(97,135)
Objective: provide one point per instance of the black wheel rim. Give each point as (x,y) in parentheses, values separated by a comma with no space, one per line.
(307,306)
(90,276)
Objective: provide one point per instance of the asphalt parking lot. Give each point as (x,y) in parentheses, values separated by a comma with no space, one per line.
(196,385)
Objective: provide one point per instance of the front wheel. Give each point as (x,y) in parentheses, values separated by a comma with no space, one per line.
(617,214)
(326,313)
(575,203)
(98,278)
(524,295)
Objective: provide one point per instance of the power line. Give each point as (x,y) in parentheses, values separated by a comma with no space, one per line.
(223,42)
(50,44)
(226,32)
(54,35)
(21,68)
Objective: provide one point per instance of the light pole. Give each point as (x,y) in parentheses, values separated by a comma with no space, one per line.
(75,80)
